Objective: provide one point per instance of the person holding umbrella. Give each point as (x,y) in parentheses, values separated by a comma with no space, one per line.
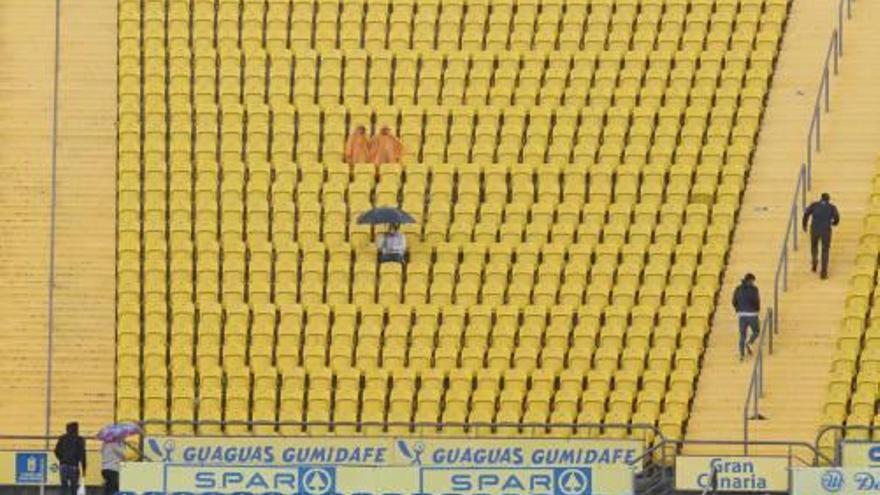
(392,244)
(113,452)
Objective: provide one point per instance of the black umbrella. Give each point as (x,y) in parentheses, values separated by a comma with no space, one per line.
(382,215)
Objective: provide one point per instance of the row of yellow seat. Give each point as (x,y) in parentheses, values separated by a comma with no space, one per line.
(522,25)
(658,282)
(635,145)
(236,213)
(624,87)
(528,349)
(380,400)
(636,367)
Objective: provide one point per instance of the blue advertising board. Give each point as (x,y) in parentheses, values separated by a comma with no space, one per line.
(31,468)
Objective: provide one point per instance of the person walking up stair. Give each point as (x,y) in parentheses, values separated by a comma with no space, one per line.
(824,216)
(747,303)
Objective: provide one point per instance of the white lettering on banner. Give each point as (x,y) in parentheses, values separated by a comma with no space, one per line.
(392,452)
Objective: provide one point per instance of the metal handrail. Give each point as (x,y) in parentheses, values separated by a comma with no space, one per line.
(798,204)
(790,236)
(814,452)
(41,438)
(756,381)
(839,433)
(812,143)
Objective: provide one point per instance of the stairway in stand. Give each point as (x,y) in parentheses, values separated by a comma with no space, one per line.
(84,347)
(796,374)
(83,323)
(27,45)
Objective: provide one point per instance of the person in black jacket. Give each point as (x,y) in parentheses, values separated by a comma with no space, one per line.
(747,303)
(71,453)
(825,216)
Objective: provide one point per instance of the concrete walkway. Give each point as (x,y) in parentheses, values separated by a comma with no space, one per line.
(82,322)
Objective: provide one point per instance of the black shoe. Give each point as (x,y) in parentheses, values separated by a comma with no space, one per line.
(814,267)
(823,275)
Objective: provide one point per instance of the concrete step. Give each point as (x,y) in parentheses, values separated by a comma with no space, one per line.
(796,375)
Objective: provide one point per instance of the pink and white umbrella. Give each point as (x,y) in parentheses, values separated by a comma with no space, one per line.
(118,431)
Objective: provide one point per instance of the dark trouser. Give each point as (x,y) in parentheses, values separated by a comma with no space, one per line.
(395,257)
(111,481)
(744,323)
(69,479)
(823,237)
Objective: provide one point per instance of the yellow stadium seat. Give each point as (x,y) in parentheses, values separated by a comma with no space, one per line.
(574,171)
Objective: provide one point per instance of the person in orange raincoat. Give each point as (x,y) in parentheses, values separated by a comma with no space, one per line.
(357,149)
(386,148)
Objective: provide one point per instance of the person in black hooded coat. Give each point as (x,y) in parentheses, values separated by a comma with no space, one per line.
(824,217)
(747,303)
(70,450)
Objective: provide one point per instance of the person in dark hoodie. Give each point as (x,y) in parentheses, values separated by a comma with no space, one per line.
(824,216)
(747,303)
(70,450)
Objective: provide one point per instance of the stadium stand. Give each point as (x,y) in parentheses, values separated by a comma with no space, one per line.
(575,169)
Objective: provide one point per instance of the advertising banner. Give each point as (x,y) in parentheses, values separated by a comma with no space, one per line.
(731,474)
(386,451)
(835,481)
(167,478)
(860,454)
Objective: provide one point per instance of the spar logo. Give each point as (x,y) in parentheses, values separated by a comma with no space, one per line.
(506,481)
(317,481)
(573,481)
(302,480)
